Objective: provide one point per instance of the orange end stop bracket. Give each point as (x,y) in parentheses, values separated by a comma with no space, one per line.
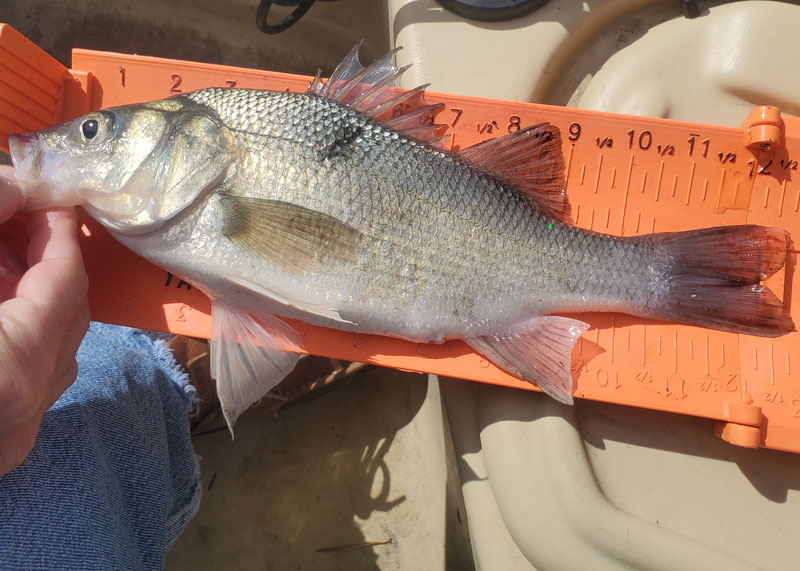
(625,175)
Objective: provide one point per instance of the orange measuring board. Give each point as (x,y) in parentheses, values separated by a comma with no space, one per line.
(625,175)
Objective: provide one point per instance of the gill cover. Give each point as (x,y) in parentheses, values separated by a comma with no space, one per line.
(132,167)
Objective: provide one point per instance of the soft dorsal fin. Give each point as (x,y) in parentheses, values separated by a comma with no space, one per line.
(371,91)
(532,161)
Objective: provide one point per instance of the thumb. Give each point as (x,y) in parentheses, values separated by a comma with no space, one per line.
(10,193)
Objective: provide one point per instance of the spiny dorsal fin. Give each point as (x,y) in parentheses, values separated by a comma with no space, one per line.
(532,161)
(371,91)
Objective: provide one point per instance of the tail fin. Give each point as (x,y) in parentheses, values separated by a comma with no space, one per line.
(713,279)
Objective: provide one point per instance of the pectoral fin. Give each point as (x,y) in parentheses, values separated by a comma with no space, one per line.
(251,352)
(291,235)
(539,353)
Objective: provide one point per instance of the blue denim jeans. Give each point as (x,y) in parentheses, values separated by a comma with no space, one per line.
(112,480)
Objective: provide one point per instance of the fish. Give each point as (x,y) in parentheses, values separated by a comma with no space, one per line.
(342,207)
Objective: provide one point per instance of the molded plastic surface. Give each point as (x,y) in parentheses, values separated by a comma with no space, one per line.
(626,175)
(32,85)
(599,486)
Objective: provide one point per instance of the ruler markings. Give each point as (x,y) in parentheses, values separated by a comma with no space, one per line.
(743,392)
(658,181)
(569,165)
(613,336)
(772,364)
(691,182)
(644,346)
(597,174)
(719,193)
(675,351)
(625,195)
(783,198)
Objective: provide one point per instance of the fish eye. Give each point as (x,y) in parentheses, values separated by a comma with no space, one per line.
(96,127)
(89,128)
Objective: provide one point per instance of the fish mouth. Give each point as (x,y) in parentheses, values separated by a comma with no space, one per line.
(21,145)
(27,161)
(34,167)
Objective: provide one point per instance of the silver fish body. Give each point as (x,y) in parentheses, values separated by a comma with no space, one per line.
(442,249)
(308,206)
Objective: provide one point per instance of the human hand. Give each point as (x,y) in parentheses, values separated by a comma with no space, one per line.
(44,314)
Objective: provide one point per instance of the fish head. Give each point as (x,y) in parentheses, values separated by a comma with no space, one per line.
(132,167)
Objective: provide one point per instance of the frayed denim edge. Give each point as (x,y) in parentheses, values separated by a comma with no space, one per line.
(178,521)
(179,377)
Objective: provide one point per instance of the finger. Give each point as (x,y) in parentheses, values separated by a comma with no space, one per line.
(56,282)
(11,269)
(16,444)
(33,322)
(9,172)
(10,193)
(53,234)
(66,368)
(27,359)
(35,366)
(62,380)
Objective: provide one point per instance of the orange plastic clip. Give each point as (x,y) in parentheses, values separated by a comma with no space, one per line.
(763,127)
(625,175)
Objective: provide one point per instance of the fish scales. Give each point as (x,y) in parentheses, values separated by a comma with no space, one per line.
(446,245)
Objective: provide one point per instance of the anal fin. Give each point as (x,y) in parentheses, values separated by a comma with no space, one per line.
(539,353)
(251,352)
